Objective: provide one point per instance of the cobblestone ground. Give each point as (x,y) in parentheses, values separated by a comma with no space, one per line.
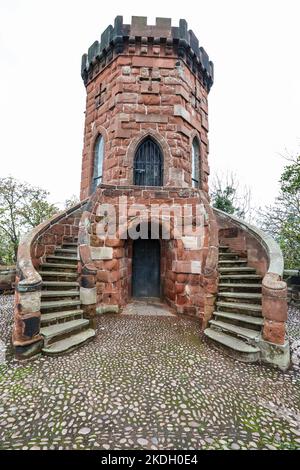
(148,382)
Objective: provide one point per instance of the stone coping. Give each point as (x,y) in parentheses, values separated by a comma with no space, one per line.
(31,278)
(276,262)
(292,272)
(7,269)
(182,191)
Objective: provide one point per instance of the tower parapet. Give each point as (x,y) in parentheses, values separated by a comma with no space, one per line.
(161,39)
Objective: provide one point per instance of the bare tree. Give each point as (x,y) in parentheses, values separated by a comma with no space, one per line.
(227,195)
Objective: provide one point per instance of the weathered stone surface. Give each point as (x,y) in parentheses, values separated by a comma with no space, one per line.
(88,296)
(196,267)
(101,253)
(185,397)
(275,354)
(7,278)
(180,111)
(30,302)
(274,331)
(191,243)
(107,309)
(274,308)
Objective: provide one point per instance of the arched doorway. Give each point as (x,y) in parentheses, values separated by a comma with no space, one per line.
(148,164)
(146,268)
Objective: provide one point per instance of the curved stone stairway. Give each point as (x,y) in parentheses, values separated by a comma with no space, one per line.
(62,324)
(237,322)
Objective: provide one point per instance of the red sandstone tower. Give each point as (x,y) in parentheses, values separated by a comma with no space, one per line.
(146,81)
(146,146)
(146,138)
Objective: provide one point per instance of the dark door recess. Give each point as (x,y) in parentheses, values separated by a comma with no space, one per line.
(146,268)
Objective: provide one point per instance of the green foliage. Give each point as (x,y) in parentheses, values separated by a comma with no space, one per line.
(227,197)
(224,200)
(7,256)
(290,178)
(22,207)
(282,219)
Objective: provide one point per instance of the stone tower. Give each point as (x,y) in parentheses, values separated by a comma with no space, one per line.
(144,227)
(140,80)
(145,138)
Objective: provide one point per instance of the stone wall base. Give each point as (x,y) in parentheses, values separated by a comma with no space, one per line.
(107,309)
(277,355)
(29,352)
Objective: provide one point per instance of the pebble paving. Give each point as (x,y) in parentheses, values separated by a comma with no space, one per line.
(146,382)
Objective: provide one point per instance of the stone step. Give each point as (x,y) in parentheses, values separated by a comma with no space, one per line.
(237,269)
(58,274)
(232,262)
(57,316)
(246,333)
(60,329)
(253,308)
(60,293)
(240,295)
(60,304)
(69,244)
(257,321)
(60,284)
(59,266)
(223,247)
(68,259)
(68,344)
(70,238)
(239,285)
(66,250)
(228,255)
(241,277)
(231,342)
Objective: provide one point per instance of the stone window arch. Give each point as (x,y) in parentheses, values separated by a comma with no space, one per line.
(196,163)
(148,164)
(133,146)
(98,157)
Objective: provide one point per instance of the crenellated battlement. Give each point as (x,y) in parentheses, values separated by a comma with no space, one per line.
(160,40)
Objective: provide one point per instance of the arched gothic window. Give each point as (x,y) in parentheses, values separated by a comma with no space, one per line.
(98,162)
(196,163)
(148,164)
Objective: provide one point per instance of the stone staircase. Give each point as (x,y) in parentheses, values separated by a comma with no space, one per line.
(237,322)
(62,324)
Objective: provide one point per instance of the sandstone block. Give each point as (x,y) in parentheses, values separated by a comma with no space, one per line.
(88,296)
(101,253)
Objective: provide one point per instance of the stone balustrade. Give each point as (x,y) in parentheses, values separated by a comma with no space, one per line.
(265,256)
(33,250)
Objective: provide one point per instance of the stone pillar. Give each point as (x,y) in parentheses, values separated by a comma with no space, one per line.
(274,345)
(274,308)
(27,318)
(88,298)
(88,289)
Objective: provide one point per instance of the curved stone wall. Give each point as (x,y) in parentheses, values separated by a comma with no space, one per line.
(265,256)
(33,249)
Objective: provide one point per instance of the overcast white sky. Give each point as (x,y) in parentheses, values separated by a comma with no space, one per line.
(254,105)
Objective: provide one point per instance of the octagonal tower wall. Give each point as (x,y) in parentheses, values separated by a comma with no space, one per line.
(146,80)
